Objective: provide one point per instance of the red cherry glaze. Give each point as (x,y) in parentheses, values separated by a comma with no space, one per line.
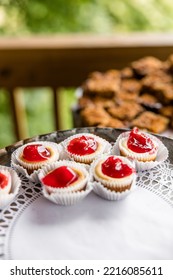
(115,168)
(36,152)
(61,177)
(83,145)
(138,142)
(3,181)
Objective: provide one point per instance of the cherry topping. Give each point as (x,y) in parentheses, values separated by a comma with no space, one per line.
(36,152)
(83,145)
(115,168)
(61,177)
(3,181)
(138,142)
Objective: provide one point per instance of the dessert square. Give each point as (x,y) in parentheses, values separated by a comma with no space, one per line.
(167,111)
(126,111)
(126,96)
(114,123)
(151,121)
(170,62)
(146,66)
(161,89)
(149,101)
(127,73)
(171,124)
(164,92)
(92,116)
(130,85)
(85,101)
(102,84)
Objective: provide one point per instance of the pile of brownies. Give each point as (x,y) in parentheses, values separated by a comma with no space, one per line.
(139,95)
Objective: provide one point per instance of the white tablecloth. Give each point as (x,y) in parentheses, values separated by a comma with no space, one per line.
(138,227)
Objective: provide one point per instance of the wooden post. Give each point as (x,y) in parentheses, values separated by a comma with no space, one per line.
(18,113)
(56,105)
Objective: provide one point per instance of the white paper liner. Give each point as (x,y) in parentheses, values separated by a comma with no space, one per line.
(62,154)
(5,199)
(77,187)
(69,198)
(87,159)
(105,193)
(162,153)
(21,170)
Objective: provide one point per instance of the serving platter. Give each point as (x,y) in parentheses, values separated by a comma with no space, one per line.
(137,227)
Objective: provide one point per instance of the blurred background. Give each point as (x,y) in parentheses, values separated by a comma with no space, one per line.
(27,18)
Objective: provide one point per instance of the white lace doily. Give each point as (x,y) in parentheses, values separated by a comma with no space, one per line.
(159,181)
(28,193)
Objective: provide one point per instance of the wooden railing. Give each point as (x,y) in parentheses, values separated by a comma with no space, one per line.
(65,61)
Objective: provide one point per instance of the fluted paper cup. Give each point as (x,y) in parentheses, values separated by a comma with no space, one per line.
(112,189)
(30,170)
(162,153)
(71,194)
(7,198)
(108,194)
(104,148)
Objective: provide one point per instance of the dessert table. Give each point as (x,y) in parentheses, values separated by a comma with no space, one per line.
(137,227)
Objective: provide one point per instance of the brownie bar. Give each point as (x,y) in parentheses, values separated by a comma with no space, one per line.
(146,66)
(151,121)
(92,116)
(126,111)
(102,84)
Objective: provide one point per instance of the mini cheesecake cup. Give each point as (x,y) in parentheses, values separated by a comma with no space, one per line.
(104,147)
(71,194)
(146,156)
(30,169)
(7,198)
(7,188)
(112,188)
(142,164)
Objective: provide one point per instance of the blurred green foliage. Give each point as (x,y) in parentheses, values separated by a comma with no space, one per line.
(22,17)
(43,17)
